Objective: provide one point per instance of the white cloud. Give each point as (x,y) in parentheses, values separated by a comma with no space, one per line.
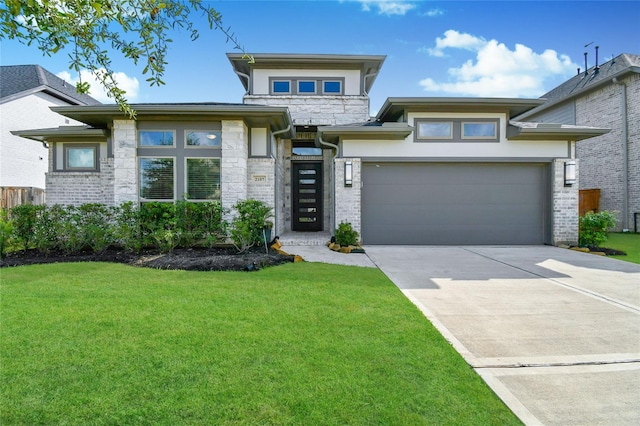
(126,83)
(433,13)
(496,71)
(387,7)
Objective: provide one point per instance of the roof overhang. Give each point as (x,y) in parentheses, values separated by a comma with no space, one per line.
(551,131)
(385,131)
(275,118)
(369,64)
(394,108)
(67,133)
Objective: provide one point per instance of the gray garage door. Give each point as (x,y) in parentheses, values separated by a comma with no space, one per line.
(454,203)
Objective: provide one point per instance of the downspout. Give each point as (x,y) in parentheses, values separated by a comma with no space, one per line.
(241,74)
(373,74)
(277,199)
(625,157)
(333,179)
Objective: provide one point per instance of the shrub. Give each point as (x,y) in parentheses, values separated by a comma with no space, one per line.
(253,216)
(156,217)
(49,228)
(594,226)
(95,223)
(25,217)
(127,231)
(6,232)
(346,235)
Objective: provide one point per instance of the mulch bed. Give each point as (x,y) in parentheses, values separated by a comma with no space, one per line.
(607,251)
(209,259)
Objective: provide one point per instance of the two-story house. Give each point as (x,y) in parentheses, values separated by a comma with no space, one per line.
(423,171)
(26,94)
(604,95)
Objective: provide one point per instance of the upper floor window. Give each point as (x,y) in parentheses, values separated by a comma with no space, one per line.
(281,86)
(156,138)
(456,130)
(332,86)
(306,86)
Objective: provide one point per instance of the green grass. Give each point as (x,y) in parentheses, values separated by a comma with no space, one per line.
(96,343)
(626,242)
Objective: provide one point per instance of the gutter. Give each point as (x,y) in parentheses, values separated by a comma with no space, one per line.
(241,74)
(364,80)
(333,177)
(625,156)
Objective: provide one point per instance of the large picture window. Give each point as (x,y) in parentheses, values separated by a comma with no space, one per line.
(157,179)
(203,179)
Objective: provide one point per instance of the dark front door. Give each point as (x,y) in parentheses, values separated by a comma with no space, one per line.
(307,197)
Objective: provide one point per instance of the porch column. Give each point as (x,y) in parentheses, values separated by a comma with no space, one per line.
(564,205)
(125,162)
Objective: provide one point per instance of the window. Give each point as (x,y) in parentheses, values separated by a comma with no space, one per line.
(203,179)
(157,179)
(156,138)
(457,130)
(479,130)
(203,138)
(81,157)
(306,87)
(332,87)
(305,148)
(435,130)
(281,86)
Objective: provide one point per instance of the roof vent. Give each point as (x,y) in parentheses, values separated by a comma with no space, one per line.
(597,67)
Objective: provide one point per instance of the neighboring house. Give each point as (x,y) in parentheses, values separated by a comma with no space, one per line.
(26,94)
(606,95)
(423,171)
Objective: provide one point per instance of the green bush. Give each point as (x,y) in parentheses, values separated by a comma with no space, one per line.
(6,232)
(594,226)
(25,217)
(247,226)
(346,235)
(127,230)
(49,231)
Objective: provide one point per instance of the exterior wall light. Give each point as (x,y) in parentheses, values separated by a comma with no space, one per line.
(569,173)
(348,173)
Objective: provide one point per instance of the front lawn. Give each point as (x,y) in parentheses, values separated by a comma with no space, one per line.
(626,242)
(304,343)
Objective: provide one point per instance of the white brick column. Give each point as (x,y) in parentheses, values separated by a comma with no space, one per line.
(348,198)
(564,206)
(125,162)
(233,165)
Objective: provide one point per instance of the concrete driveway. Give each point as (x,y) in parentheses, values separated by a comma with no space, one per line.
(555,333)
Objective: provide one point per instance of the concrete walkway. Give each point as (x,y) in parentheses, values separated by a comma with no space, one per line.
(555,333)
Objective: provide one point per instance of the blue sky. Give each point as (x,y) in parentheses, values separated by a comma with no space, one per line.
(433,48)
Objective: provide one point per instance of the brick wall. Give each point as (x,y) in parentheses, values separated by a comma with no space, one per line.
(233,165)
(564,206)
(76,188)
(261,180)
(602,157)
(318,110)
(348,199)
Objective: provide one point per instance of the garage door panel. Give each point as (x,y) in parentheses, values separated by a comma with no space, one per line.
(453,203)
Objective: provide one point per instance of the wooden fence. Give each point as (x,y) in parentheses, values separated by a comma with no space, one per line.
(14,196)
(589,201)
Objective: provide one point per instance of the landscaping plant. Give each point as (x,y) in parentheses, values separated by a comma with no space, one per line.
(247,226)
(346,235)
(6,232)
(594,226)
